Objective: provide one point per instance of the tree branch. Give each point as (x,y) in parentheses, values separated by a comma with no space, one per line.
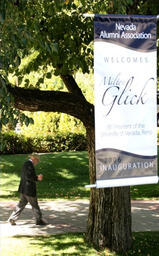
(71,85)
(53,101)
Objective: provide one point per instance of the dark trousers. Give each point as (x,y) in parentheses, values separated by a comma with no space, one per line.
(24,199)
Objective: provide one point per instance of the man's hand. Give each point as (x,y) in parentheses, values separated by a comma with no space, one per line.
(40,177)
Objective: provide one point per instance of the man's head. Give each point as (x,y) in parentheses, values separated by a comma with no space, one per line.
(35,158)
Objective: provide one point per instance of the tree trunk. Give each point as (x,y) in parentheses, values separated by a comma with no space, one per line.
(109,219)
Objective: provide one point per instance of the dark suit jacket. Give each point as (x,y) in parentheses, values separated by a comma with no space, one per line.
(28,179)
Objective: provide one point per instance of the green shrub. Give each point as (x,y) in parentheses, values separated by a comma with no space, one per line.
(13,143)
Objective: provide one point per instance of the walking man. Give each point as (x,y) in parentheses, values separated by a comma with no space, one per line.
(27,189)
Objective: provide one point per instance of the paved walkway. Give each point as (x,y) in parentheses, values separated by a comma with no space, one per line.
(71,216)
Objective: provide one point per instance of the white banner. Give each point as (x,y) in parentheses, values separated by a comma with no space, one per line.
(125,100)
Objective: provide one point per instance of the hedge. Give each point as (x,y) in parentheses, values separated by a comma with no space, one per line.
(13,143)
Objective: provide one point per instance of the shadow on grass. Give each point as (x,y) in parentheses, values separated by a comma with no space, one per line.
(144,244)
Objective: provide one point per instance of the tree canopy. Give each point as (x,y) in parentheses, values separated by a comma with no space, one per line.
(57,36)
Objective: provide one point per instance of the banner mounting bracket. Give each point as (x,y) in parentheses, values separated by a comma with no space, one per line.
(91,186)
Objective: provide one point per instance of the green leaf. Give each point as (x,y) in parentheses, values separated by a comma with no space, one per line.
(22,118)
(26,82)
(5,121)
(31,120)
(48,75)
(9,99)
(54,47)
(41,80)
(2,10)
(26,121)
(20,79)
(17,60)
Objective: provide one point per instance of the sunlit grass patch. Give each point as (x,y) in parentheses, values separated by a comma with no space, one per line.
(144,244)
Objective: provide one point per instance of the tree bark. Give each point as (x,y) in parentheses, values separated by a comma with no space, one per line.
(109,219)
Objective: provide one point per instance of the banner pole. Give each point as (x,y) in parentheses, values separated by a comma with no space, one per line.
(88,15)
(91,15)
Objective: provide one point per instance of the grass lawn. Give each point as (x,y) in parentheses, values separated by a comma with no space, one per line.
(144,244)
(65,175)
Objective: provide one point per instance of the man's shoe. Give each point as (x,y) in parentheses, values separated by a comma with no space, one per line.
(41,223)
(12,222)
